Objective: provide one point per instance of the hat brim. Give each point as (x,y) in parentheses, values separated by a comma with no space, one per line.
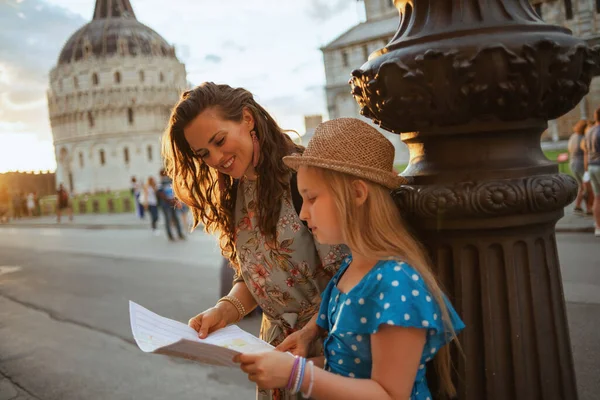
(390,180)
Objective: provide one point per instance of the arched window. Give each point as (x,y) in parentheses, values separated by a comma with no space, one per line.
(102,157)
(90,119)
(142,76)
(161,77)
(95,80)
(130,115)
(568,9)
(76,82)
(80,159)
(126,155)
(117,77)
(345,61)
(123,47)
(149,151)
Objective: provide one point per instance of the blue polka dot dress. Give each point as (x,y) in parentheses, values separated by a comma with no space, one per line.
(393,293)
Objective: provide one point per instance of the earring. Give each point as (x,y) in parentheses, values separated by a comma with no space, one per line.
(256,147)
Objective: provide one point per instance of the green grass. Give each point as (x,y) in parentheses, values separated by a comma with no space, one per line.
(550,155)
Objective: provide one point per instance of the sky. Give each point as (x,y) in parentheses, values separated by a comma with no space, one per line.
(270,47)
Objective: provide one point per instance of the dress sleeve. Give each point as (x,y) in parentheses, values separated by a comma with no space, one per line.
(394,294)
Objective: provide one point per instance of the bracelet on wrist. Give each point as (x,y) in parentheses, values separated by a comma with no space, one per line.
(292,373)
(234,301)
(312,381)
(300,375)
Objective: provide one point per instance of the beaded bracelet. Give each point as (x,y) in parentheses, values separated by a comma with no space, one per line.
(291,380)
(300,375)
(312,381)
(237,304)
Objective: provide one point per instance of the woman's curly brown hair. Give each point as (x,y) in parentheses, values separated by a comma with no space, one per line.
(196,184)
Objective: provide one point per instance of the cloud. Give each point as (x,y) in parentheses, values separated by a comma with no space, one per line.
(231,45)
(213,58)
(269,47)
(324,10)
(31,38)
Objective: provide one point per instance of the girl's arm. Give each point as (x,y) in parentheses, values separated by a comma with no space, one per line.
(396,355)
(318,361)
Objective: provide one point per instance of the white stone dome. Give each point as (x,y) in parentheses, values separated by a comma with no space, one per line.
(109,100)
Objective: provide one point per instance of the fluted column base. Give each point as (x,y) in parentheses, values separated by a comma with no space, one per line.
(506,284)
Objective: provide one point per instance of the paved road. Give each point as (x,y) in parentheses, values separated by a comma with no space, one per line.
(64,328)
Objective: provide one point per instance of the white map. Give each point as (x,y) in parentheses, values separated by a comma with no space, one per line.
(160,335)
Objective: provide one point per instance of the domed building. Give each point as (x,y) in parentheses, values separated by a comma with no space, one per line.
(109,100)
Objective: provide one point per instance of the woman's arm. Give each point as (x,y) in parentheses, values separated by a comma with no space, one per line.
(241,292)
(299,342)
(585,154)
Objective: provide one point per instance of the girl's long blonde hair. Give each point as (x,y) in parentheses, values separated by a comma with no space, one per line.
(376,229)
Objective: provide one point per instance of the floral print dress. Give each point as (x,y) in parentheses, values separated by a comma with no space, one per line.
(286,277)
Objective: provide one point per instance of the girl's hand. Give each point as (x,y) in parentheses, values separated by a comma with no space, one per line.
(298,343)
(209,321)
(270,370)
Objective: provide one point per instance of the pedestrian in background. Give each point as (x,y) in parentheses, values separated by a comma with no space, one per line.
(166,197)
(150,201)
(591,148)
(576,163)
(30,204)
(63,203)
(136,192)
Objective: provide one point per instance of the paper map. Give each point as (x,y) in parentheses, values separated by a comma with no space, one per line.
(160,335)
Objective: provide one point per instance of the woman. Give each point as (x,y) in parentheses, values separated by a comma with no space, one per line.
(224,153)
(150,202)
(576,161)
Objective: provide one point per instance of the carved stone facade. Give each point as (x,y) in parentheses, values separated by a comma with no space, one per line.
(583,19)
(352,49)
(109,106)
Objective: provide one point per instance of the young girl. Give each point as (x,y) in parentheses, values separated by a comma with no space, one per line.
(384,312)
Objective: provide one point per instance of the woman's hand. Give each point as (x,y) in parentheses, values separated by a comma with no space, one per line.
(270,370)
(298,343)
(213,319)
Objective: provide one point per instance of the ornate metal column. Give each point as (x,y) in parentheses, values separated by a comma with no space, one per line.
(470,85)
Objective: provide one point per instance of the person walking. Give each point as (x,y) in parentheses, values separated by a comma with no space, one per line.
(136,190)
(591,148)
(150,199)
(167,202)
(30,204)
(63,202)
(576,163)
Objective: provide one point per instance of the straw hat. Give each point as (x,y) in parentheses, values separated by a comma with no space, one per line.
(351,146)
